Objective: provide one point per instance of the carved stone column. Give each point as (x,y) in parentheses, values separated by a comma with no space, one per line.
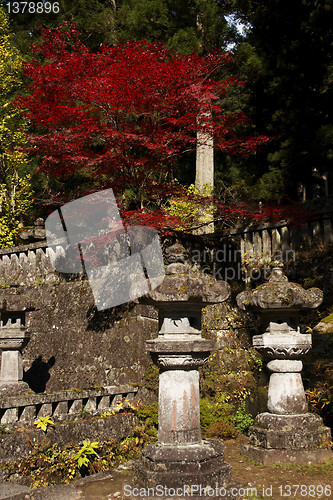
(179,409)
(286,433)
(181,457)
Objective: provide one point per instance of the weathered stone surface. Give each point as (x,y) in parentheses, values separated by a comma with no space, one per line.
(36,233)
(180,457)
(72,345)
(179,391)
(25,407)
(286,394)
(180,346)
(289,432)
(278,293)
(286,391)
(287,426)
(297,457)
(14,335)
(11,366)
(197,464)
(305,422)
(13,491)
(185,287)
(16,445)
(14,302)
(179,409)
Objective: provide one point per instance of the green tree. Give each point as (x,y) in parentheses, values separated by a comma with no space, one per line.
(93,18)
(15,192)
(288,62)
(194,25)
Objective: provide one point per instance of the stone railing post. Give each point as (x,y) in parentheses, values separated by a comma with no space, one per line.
(286,433)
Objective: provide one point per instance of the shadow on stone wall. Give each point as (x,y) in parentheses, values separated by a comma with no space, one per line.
(99,321)
(38,374)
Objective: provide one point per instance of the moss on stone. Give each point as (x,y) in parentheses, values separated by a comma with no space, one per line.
(328,319)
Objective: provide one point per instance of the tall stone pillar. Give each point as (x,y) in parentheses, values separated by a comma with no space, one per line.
(180,457)
(287,433)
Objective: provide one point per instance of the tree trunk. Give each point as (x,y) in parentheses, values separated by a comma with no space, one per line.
(204,177)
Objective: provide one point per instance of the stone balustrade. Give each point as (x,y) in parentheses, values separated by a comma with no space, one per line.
(30,264)
(281,240)
(63,404)
(33,263)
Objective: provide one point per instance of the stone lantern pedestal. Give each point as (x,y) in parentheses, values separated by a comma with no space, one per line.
(287,433)
(181,458)
(14,335)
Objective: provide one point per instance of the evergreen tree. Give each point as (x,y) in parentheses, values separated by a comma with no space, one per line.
(93,18)
(193,25)
(290,47)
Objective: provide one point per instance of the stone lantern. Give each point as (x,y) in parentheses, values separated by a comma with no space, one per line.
(14,335)
(287,433)
(181,457)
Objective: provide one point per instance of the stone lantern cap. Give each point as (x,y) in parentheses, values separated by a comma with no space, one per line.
(279,294)
(179,299)
(181,284)
(190,289)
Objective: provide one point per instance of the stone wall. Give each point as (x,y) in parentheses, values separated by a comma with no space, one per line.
(75,346)
(18,444)
(72,344)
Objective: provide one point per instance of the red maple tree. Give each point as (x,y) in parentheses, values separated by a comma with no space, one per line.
(124,115)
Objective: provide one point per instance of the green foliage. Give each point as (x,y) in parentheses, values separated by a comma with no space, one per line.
(221,418)
(15,202)
(222,429)
(233,372)
(124,406)
(271,185)
(191,207)
(84,454)
(320,397)
(4,429)
(319,384)
(52,465)
(328,319)
(150,378)
(287,60)
(197,25)
(215,410)
(15,188)
(242,419)
(148,415)
(227,390)
(44,422)
(94,19)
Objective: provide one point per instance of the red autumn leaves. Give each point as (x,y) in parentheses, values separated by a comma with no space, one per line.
(124,115)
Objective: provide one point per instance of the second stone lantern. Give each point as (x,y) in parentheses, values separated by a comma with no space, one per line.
(181,457)
(287,433)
